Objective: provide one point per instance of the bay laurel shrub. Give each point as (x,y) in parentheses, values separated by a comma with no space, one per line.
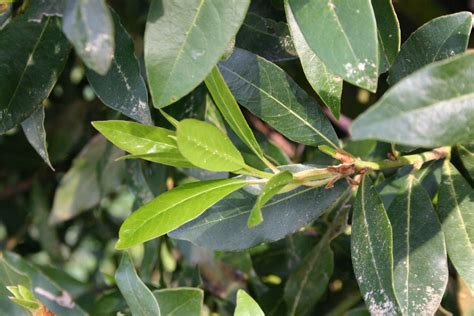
(252,190)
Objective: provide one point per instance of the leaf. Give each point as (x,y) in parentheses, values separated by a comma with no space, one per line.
(180,301)
(438,39)
(371,249)
(139,298)
(246,305)
(146,142)
(388,33)
(31,65)
(207,147)
(266,37)
(327,85)
(343,34)
(420,264)
(424,108)
(184,38)
(466,153)
(172,209)
(122,87)
(456,212)
(224,226)
(90,28)
(41,8)
(269,93)
(271,188)
(10,276)
(33,127)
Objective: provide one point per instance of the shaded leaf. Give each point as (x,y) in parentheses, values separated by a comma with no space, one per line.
(180,301)
(33,127)
(246,305)
(41,8)
(466,153)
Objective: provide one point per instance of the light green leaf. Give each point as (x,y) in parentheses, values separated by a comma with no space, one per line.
(432,107)
(466,153)
(89,27)
(122,88)
(456,212)
(139,298)
(343,34)
(271,188)
(33,127)
(438,39)
(419,251)
(371,248)
(246,305)
(388,33)
(184,38)
(172,209)
(207,147)
(180,301)
(269,93)
(327,85)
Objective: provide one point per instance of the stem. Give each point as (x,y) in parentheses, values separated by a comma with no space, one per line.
(251,171)
(269,164)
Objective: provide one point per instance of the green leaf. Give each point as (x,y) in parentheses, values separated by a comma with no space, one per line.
(269,93)
(266,37)
(456,212)
(30,70)
(343,34)
(207,147)
(424,108)
(224,226)
(33,127)
(466,153)
(180,301)
(184,38)
(388,33)
(41,8)
(271,188)
(122,87)
(146,142)
(420,264)
(10,276)
(90,28)
(172,209)
(139,298)
(327,85)
(246,305)
(371,248)
(438,39)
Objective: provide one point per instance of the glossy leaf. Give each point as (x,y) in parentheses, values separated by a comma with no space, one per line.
(207,147)
(151,143)
(466,153)
(438,39)
(371,248)
(388,33)
(44,8)
(419,251)
(350,48)
(33,127)
(184,38)
(90,28)
(180,301)
(424,109)
(174,208)
(269,93)
(246,305)
(122,88)
(456,212)
(271,188)
(139,298)
(33,57)
(327,85)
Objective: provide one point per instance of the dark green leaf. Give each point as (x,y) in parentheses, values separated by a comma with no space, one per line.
(180,301)
(466,153)
(33,127)
(41,8)
(246,305)
(424,109)
(184,38)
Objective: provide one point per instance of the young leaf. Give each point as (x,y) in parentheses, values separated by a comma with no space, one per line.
(424,108)
(271,188)
(89,27)
(172,209)
(139,298)
(327,85)
(30,70)
(33,127)
(184,38)
(269,93)
(246,305)
(419,251)
(350,47)
(180,301)
(207,147)
(456,212)
(371,248)
(122,88)
(466,153)
(438,39)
